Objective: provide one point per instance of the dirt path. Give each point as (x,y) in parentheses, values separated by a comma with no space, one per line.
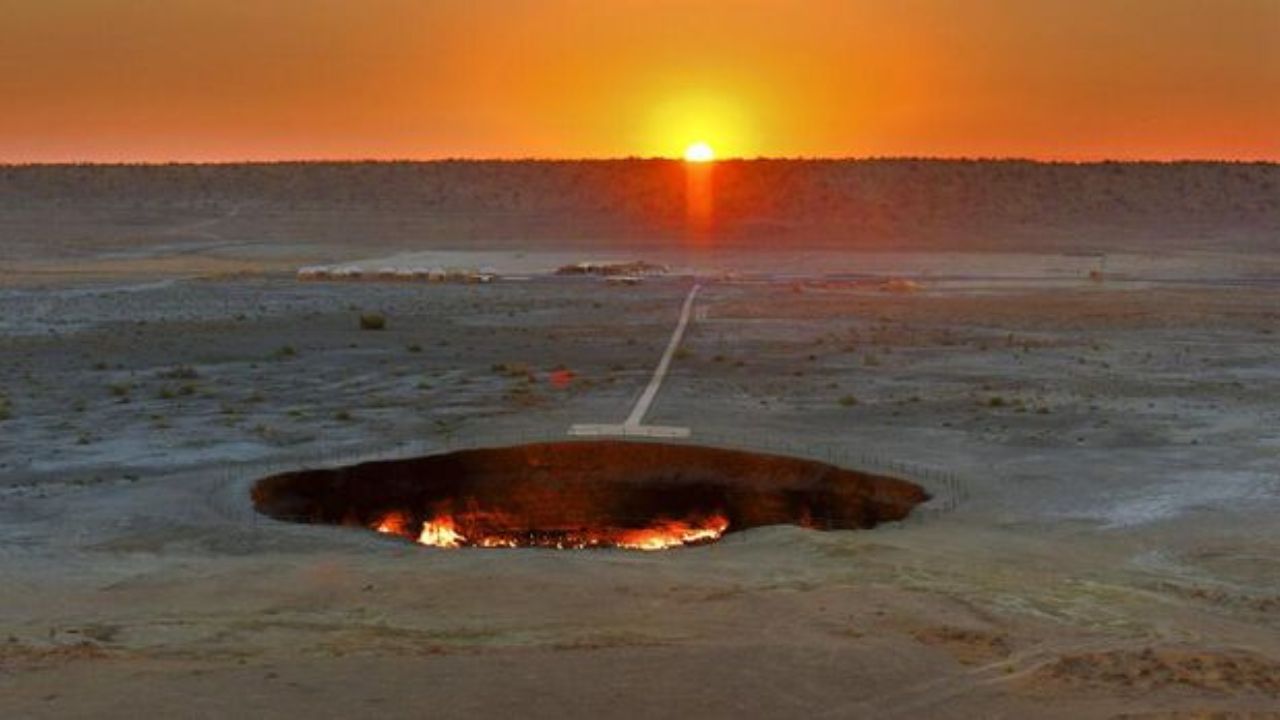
(634,425)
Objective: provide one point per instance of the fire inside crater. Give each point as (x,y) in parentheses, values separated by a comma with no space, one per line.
(591,494)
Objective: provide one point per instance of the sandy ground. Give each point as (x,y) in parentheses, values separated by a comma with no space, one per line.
(1113,552)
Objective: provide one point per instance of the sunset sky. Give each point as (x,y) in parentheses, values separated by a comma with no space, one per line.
(158,80)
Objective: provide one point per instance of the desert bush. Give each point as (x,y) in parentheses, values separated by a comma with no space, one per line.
(180,372)
(286,351)
(266,432)
(848,401)
(342,416)
(523,396)
(512,369)
(373,321)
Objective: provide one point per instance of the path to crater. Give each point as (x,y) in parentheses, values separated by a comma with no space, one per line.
(633,425)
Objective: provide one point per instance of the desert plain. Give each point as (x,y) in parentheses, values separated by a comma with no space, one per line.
(1080,363)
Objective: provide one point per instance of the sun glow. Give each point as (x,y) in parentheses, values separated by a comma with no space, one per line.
(699,152)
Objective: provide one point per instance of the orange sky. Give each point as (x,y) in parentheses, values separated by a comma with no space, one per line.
(155,80)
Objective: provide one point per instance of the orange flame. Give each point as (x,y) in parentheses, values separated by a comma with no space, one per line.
(497,530)
(672,533)
(441,532)
(394,523)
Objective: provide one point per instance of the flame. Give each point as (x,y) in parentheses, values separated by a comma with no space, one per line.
(441,532)
(393,523)
(671,533)
(481,529)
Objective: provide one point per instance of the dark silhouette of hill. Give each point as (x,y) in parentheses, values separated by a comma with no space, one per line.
(855,204)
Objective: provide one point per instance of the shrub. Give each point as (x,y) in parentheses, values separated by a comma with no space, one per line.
(373,321)
(180,372)
(848,401)
(512,369)
(523,396)
(286,351)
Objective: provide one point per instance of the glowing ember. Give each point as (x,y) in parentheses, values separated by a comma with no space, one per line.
(671,534)
(441,532)
(393,524)
(497,530)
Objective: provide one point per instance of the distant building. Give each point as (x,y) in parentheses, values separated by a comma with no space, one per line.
(637,268)
(395,274)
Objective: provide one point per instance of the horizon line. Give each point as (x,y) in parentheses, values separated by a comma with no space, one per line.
(643,158)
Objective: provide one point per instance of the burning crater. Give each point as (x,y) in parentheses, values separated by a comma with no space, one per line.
(614,494)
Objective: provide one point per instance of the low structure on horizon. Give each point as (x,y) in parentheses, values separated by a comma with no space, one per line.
(605,268)
(320,273)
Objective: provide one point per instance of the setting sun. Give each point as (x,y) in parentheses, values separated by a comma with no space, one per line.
(699,152)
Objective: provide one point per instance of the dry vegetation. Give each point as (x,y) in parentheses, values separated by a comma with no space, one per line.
(373,321)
